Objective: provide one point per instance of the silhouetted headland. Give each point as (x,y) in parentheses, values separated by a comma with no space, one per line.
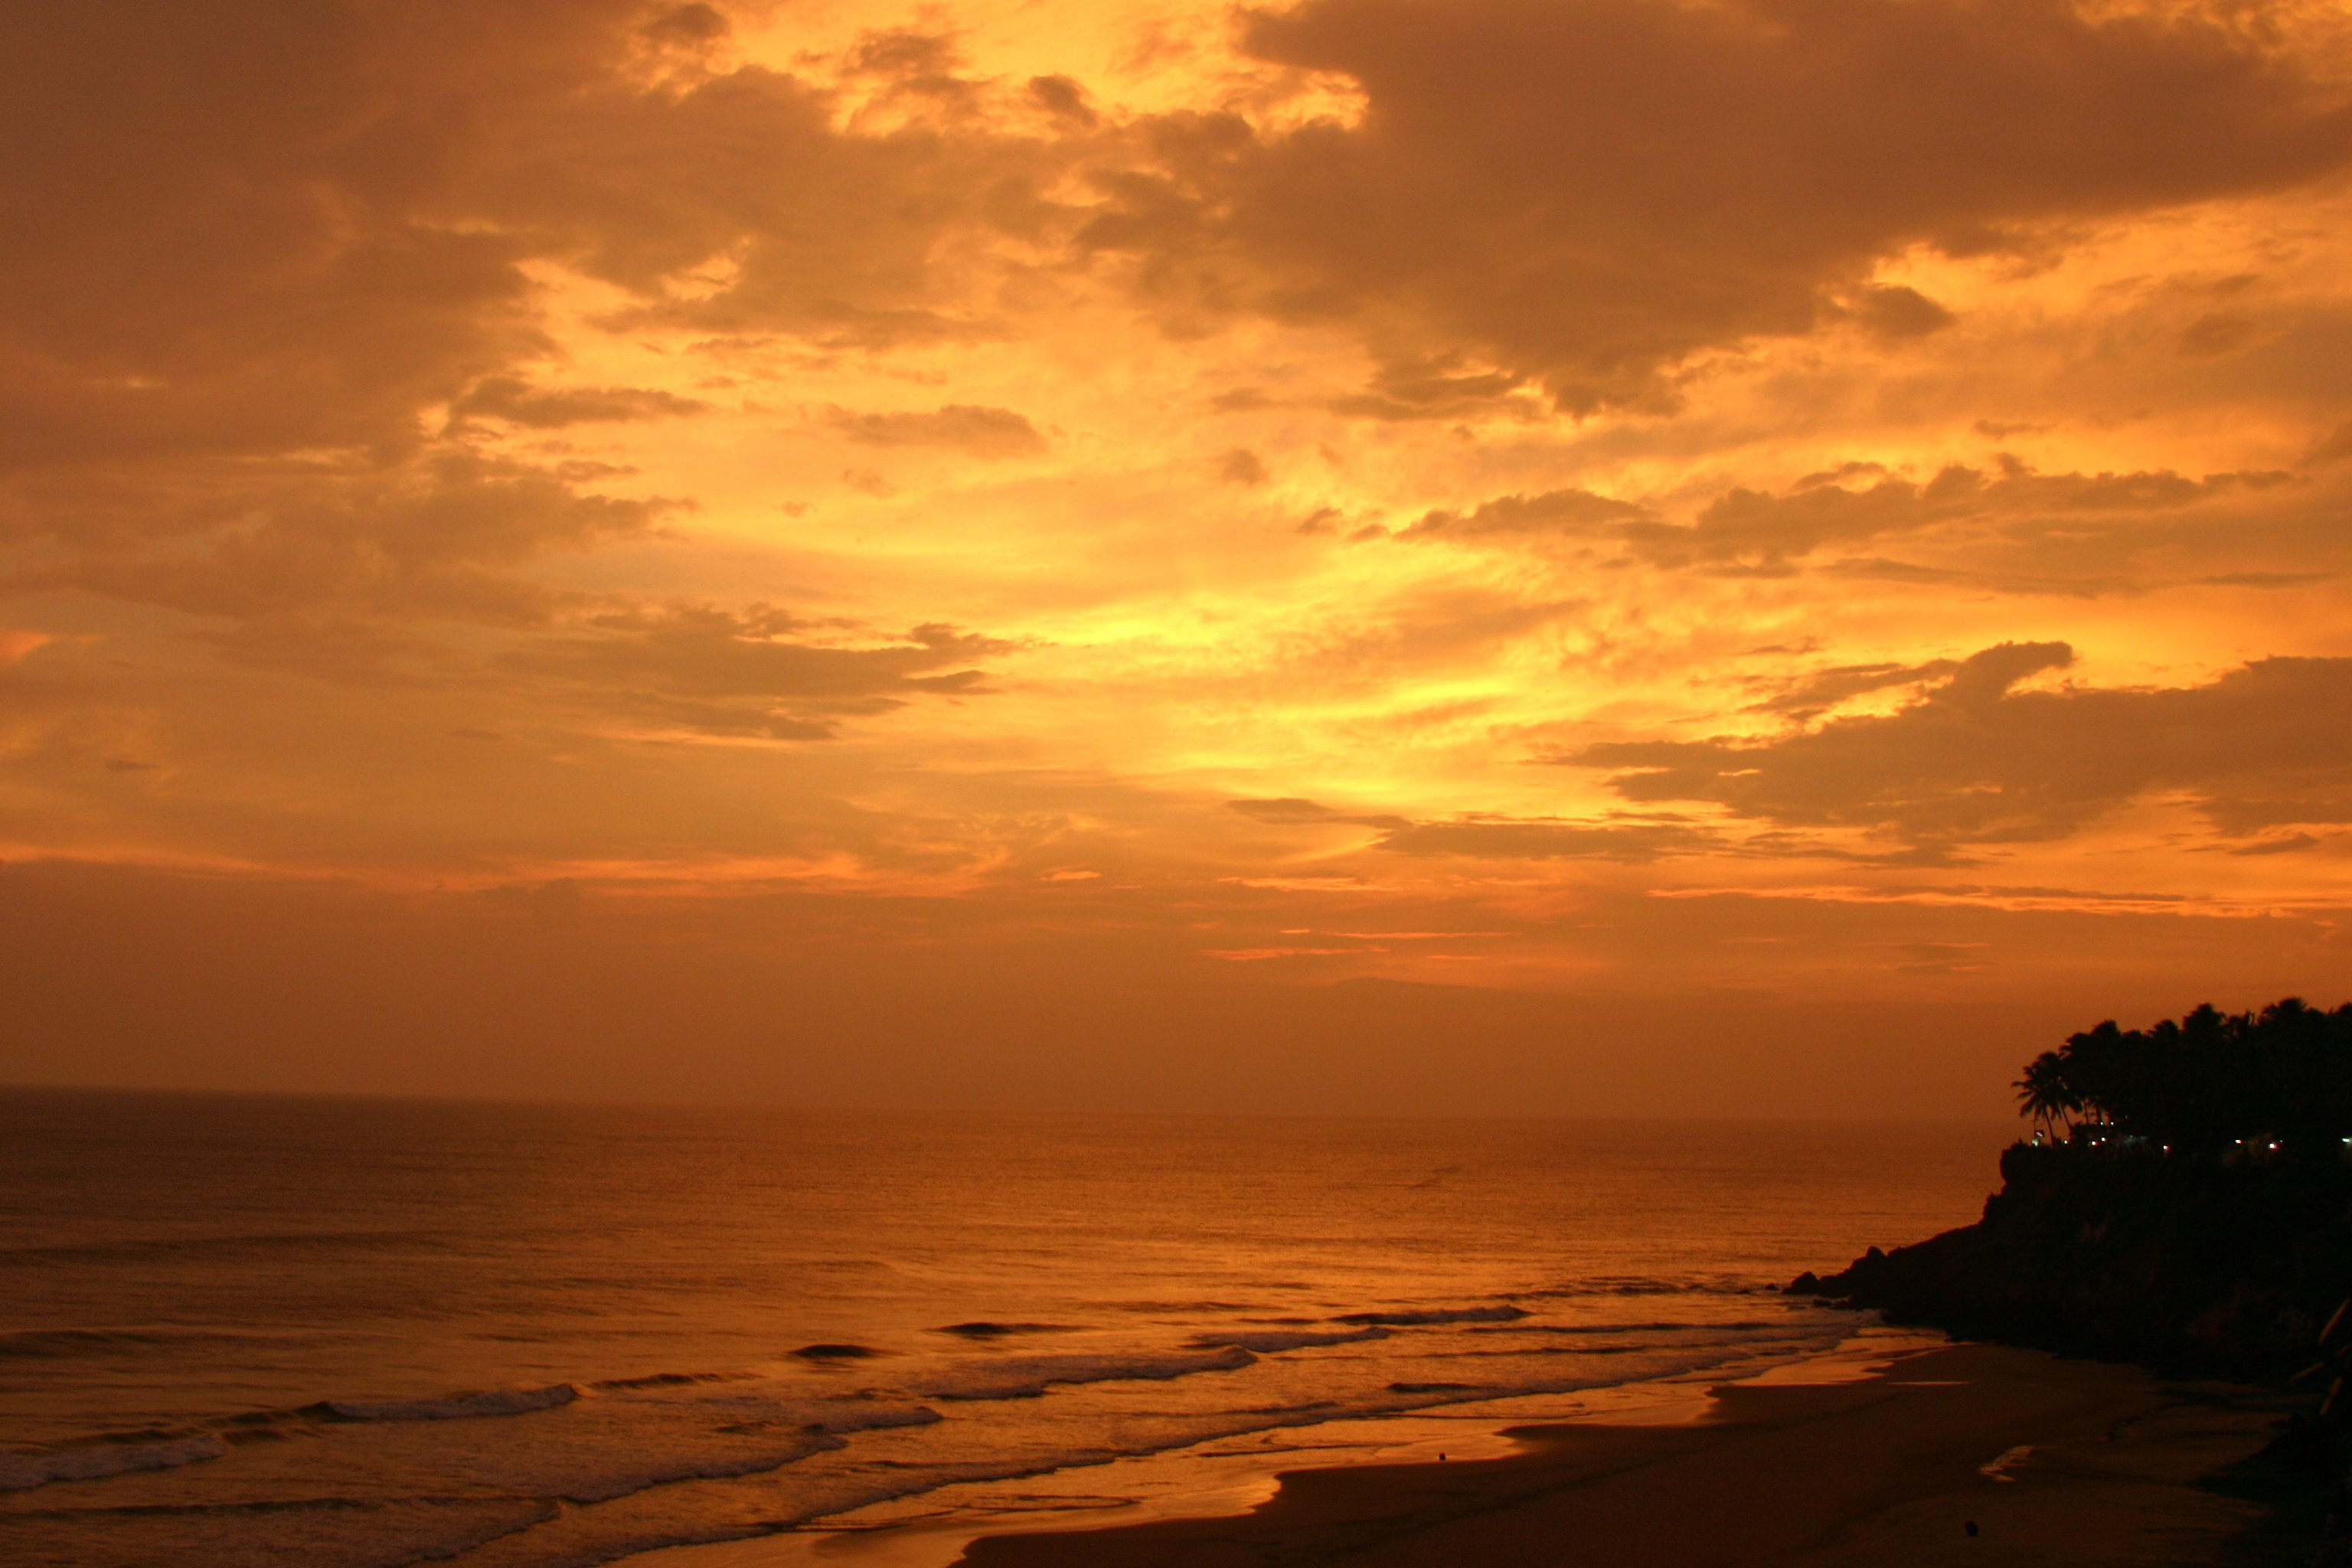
(2185,1202)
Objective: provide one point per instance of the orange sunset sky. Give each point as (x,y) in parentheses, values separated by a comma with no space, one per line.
(1498,555)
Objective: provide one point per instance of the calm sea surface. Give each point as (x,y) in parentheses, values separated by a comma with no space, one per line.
(336,1332)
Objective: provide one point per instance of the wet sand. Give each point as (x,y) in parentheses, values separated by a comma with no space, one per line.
(2055,1462)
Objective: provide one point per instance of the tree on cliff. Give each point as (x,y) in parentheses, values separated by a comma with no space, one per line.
(2217,1240)
(2043,1093)
(2278,1081)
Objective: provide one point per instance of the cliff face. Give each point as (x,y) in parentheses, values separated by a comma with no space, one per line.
(2186,1266)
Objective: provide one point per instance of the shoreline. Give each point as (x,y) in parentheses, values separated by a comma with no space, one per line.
(1230,1478)
(1882,1450)
(1963,1453)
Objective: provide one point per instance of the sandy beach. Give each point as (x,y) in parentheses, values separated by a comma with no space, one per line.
(2051,1461)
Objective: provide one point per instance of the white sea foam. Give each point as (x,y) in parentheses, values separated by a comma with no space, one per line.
(95,1462)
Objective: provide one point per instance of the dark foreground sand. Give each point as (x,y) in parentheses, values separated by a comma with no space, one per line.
(2055,1462)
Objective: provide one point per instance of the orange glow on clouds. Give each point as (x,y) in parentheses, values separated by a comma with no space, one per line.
(1776,503)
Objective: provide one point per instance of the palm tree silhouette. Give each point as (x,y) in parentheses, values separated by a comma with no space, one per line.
(2273,1085)
(2043,1093)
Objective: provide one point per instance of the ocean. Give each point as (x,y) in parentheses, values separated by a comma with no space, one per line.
(344,1333)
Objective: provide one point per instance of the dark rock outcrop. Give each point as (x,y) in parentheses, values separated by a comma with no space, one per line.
(2188,1266)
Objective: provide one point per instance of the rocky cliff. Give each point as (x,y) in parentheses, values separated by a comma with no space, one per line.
(2188,1266)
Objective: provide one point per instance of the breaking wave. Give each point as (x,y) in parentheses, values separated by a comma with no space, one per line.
(1266,1342)
(666,1380)
(988,1331)
(95,1462)
(58,1344)
(1585,1330)
(1432,1315)
(1025,1377)
(450,1406)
